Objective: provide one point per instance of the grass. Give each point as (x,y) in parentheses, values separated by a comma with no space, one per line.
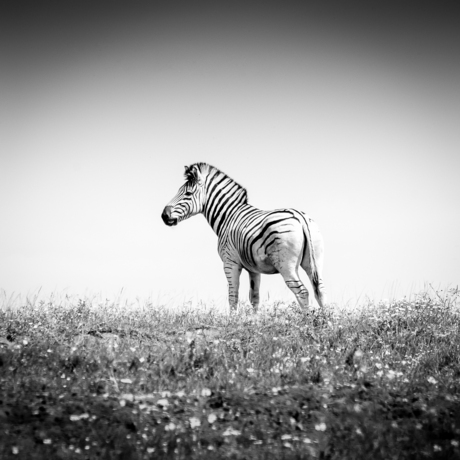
(84,381)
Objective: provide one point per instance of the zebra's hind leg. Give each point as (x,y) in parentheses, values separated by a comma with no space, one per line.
(317,284)
(289,272)
(298,288)
(254,283)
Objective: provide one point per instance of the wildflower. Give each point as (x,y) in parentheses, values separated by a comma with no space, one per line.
(170,427)
(432,380)
(76,417)
(165,394)
(163,403)
(454,443)
(286,437)
(205,392)
(15,450)
(391,374)
(231,432)
(47,441)
(437,448)
(307,440)
(212,418)
(126,381)
(320,426)
(195,422)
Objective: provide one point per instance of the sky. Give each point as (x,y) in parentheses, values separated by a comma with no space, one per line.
(349,111)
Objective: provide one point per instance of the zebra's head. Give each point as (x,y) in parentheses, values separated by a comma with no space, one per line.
(189,199)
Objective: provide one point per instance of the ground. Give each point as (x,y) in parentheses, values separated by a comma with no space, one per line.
(84,380)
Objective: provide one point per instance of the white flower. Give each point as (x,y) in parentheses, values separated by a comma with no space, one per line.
(163,402)
(231,432)
(286,437)
(195,422)
(432,380)
(205,392)
(170,426)
(391,374)
(212,417)
(320,426)
(126,381)
(76,417)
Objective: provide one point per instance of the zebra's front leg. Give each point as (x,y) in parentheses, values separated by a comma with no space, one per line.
(254,283)
(232,272)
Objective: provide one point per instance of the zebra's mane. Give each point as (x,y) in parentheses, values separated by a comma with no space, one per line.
(205,168)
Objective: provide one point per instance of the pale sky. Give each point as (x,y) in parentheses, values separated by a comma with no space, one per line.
(349,114)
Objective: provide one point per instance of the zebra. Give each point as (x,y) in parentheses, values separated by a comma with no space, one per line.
(261,242)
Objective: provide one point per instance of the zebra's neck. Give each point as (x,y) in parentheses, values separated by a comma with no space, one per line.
(224,197)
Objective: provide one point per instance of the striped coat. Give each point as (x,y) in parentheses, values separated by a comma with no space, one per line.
(261,242)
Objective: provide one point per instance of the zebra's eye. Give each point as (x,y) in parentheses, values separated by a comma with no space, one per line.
(188,193)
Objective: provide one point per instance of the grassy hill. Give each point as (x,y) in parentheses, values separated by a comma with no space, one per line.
(382,381)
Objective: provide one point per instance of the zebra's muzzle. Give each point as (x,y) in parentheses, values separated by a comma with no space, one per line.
(166,216)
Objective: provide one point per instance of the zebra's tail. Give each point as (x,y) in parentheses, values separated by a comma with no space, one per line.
(310,252)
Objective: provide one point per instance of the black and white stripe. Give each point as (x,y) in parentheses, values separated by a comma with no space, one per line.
(261,242)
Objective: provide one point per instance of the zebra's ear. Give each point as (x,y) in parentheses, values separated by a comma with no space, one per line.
(194,175)
(198,175)
(188,173)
